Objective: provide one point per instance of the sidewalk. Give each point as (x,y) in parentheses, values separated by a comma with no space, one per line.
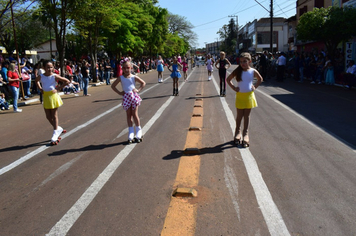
(37,99)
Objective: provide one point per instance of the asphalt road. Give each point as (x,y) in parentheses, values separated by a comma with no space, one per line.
(297,178)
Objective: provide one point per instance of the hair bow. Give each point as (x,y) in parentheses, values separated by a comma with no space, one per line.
(124,60)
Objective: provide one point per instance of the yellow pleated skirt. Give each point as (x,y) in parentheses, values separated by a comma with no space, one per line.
(245,100)
(51,100)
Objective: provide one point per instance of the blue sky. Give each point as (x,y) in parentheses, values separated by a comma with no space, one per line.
(209,16)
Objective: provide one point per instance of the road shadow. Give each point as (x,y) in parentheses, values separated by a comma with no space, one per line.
(107,100)
(331,108)
(212,96)
(86,148)
(20,147)
(156,97)
(175,154)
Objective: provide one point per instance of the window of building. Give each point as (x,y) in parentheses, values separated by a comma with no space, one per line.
(302,10)
(319,3)
(264,37)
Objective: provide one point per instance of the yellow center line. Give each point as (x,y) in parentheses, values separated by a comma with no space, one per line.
(181,215)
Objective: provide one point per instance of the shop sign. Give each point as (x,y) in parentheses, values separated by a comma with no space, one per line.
(349,52)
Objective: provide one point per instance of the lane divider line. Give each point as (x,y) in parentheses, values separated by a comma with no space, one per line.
(67,221)
(181,215)
(270,212)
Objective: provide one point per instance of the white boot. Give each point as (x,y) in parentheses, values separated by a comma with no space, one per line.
(54,136)
(59,129)
(138,132)
(131,133)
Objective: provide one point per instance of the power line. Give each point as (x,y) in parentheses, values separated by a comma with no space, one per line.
(225,16)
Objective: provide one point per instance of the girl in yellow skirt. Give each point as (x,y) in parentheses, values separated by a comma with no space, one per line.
(46,83)
(245,96)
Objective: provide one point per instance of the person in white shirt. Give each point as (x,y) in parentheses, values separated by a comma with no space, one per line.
(281,62)
(350,75)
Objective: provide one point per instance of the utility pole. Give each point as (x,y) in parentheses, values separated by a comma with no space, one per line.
(271,30)
(237,33)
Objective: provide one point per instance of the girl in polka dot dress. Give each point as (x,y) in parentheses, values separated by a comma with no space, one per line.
(131,98)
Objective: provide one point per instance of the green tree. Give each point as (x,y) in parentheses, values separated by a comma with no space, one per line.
(61,13)
(6,29)
(29,31)
(156,39)
(94,17)
(331,25)
(182,27)
(228,35)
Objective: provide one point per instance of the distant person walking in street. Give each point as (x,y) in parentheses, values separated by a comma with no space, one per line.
(175,75)
(222,64)
(131,99)
(245,96)
(209,62)
(46,83)
(185,68)
(160,69)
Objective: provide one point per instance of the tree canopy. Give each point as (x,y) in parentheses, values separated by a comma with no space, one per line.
(119,27)
(331,25)
(228,35)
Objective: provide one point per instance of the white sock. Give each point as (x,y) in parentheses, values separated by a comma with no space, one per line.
(138,132)
(131,133)
(54,136)
(59,129)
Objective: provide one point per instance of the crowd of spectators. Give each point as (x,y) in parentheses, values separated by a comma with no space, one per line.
(317,67)
(78,71)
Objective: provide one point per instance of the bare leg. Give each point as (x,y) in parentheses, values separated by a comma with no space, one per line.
(52,117)
(247,113)
(129,117)
(135,116)
(240,114)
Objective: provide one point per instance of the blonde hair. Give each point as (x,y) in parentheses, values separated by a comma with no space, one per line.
(246,55)
(12,67)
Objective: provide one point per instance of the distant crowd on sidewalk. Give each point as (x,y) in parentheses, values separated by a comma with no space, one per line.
(317,67)
(78,71)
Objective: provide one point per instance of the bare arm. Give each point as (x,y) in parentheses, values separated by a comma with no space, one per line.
(216,63)
(229,81)
(113,86)
(62,79)
(142,82)
(228,64)
(259,80)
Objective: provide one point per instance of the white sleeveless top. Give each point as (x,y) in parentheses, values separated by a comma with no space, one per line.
(159,62)
(48,82)
(128,84)
(247,81)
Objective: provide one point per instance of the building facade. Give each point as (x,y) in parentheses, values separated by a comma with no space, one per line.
(255,36)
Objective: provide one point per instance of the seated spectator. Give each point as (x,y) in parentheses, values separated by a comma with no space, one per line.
(3,103)
(71,87)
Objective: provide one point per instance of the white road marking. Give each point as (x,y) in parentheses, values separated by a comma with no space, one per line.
(270,212)
(64,225)
(41,149)
(60,170)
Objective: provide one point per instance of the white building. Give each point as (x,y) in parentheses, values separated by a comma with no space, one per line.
(44,50)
